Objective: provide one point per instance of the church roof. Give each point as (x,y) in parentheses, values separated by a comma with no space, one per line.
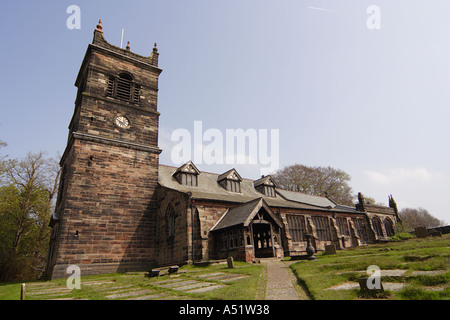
(208,188)
(244,214)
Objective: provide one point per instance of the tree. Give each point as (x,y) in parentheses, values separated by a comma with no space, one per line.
(412,218)
(320,181)
(26,201)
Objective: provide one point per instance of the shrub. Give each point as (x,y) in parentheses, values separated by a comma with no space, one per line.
(401,236)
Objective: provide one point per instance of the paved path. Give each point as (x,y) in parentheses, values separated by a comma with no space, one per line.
(279,281)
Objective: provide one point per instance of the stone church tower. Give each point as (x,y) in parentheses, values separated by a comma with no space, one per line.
(105,213)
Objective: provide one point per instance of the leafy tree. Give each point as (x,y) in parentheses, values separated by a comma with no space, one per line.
(412,217)
(26,201)
(320,181)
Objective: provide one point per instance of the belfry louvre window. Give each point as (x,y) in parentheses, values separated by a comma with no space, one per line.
(297,227)
(124,88)
(322,228)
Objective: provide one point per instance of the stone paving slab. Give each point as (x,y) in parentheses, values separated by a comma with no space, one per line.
(149,297)
(392,273)
(167,281)
(96,283)
(198,284)
(117,288)
(50,291)
(392,286)
(234,278)
(123,290)
(228,277)
(384,273)
(129,294)
(38,285)
(400,273)
(428,273)
(206,289)
(175,298)
(178,284)
(209,275)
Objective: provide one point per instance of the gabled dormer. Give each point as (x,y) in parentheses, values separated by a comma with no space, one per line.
(187,174)
(230,180)
(266,185)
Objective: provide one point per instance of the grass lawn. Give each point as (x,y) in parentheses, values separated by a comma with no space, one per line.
(428,254)
(250,287)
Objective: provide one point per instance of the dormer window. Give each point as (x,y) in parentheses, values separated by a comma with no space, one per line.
(123,88)
(187,174)
(266,185)
(188,179)
(230,180)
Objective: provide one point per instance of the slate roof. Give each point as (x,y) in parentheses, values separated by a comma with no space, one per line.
(209,189)
(243,214)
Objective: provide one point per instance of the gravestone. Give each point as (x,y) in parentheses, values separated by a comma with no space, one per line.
(173,269)
(152,273)
(230,262)
(435,233)
(370,290)
(421,232)
(330,249)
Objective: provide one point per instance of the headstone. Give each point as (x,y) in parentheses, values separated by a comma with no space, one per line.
(435,233)
(330,249)
(173,269)
(152,273)
(421,232)
(363,285)
(230,262)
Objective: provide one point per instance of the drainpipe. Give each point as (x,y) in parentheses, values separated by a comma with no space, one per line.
(192,244)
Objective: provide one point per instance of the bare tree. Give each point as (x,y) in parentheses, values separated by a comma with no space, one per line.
(413,217)
(320,181)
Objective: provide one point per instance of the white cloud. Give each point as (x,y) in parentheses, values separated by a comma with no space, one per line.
(401,175)
(322,9)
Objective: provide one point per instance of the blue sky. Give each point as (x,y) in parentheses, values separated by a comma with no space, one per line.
(371,102)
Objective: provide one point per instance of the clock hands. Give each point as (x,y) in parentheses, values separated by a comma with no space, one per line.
(122,121)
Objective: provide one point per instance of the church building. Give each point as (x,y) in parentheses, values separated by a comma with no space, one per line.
(119,210)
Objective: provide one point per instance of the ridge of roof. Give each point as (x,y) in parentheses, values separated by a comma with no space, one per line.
(208,188)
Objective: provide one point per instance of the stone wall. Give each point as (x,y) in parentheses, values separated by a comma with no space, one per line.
(173,248)
(108,208)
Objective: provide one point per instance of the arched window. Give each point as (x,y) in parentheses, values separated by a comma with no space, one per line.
(376,223)
(389,226)
(124,88)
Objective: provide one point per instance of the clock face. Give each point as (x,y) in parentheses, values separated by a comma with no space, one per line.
(121,122)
